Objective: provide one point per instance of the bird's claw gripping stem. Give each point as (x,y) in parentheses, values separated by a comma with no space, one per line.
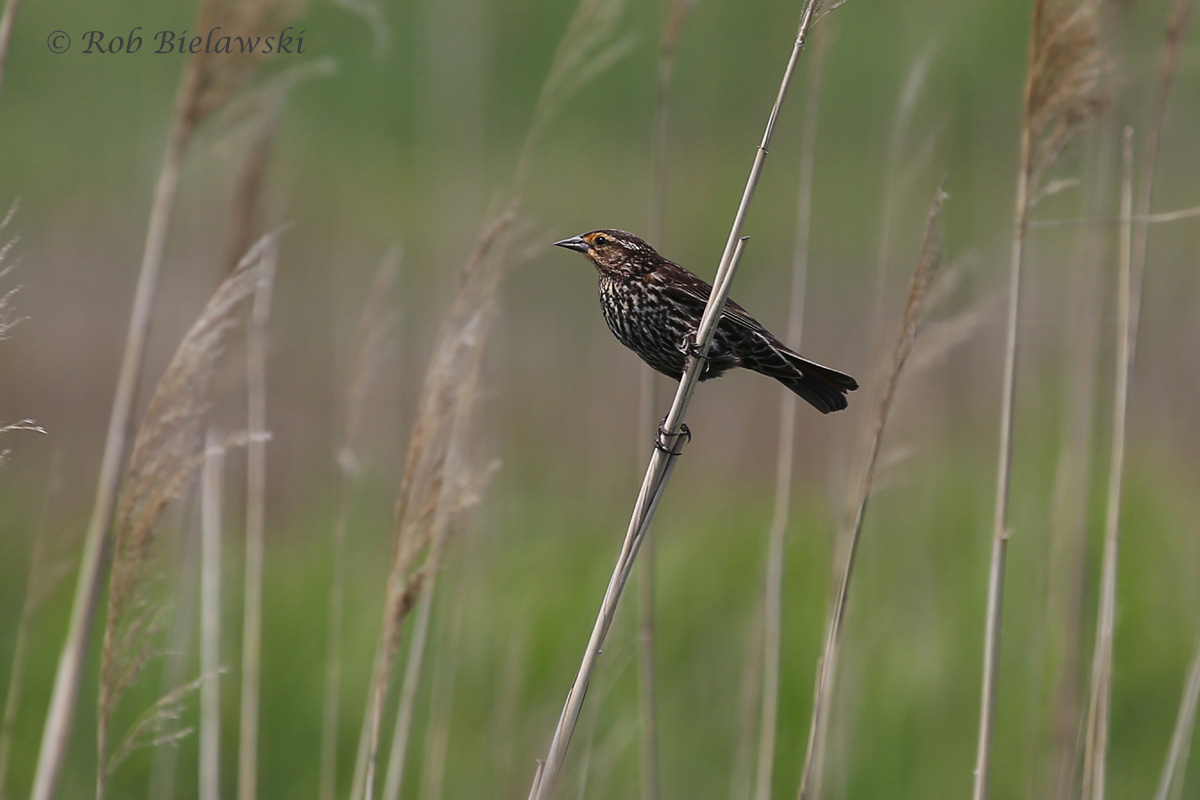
(660,440)
(689,347)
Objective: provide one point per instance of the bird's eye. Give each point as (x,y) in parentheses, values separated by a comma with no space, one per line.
(600,241)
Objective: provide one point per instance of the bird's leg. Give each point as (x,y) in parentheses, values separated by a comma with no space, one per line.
(660,440)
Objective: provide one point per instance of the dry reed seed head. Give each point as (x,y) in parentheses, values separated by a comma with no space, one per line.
(929,263)
(215,77)
(1067,60)
(168,450)
(463,335)
(154,727)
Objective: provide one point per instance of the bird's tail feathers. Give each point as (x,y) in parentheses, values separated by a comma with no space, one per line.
(821,387)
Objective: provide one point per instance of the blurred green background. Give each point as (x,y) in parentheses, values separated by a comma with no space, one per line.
(407,144)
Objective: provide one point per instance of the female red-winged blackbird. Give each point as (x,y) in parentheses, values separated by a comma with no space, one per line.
(653,306)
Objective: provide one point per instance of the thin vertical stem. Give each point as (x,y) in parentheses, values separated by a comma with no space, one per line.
(97,541)
(372,329)
(256,499)
(662,462)
(1099,705)
(928,265)
(210,621)
(1170,785)
(676,12)
(1000,528)
(1072,480)
(773,584)
(408,692)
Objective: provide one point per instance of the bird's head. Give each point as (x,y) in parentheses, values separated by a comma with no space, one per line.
(614,252)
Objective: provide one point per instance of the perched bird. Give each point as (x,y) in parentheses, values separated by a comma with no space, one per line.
(653,306)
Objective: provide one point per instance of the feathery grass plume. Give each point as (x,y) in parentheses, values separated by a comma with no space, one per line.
(676,13)
(929,264)
(157,725)
(661,464)
(212,79)
(898,170)
(8,317)
(168,450)
(1170,785)
(373,332)
(181,643)
(10,320)
(781,513)
(435,475)
(6,29)
(23,425)
(208,81)
(1061,92)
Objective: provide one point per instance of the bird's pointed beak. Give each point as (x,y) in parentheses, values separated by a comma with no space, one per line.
(574,243)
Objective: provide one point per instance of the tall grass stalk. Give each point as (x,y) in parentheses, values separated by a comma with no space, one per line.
(1064,65)
(372,333)
(61,713)
(1170,785)
(436,479)
(897,169)
(210,619)
(928,267)
(441,703)
(206,85)
(676,13)
(394,777)
(167,452)
(1068,545)
(661,463)
(1095,753)
(437,482)
(1134,245)
(256,503)
(777,538)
